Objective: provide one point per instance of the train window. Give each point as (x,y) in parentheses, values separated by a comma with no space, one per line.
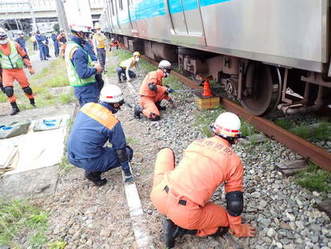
(120,3)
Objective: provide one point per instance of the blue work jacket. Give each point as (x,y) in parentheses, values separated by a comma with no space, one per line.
(80,59)
(94,126)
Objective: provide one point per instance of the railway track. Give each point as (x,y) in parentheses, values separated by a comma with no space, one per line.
(306,149)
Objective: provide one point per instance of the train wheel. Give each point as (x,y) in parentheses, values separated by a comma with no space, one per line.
(262,88)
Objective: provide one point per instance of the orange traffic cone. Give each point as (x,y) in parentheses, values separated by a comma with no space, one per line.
(206,89)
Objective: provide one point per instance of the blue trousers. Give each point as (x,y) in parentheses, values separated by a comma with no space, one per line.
(56,48)
(88,93)
(42,52)
(106,161)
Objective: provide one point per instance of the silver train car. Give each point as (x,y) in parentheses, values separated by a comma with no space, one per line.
(266,53)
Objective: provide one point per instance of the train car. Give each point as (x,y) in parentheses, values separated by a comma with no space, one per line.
(266,54)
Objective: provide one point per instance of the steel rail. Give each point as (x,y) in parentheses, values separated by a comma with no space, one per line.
(306,149)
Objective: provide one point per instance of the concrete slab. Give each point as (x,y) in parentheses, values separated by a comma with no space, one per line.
(29,183)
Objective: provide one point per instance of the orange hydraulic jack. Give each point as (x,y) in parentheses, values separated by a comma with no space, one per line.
(206,89)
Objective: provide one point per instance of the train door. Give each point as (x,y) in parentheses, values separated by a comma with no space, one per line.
(193,17)
(177,16)
(116,20)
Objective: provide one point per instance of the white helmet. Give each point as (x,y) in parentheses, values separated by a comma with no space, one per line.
(227,125)
(79,28)
(111,94)
(164,64)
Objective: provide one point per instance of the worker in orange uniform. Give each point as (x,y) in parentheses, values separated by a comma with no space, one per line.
(182,194)
(13,58)
(152,92)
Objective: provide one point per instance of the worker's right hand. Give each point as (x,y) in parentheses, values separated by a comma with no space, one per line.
(243,230)
(31,71)
(98,67)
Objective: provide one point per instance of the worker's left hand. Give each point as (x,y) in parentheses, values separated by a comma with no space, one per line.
(31,71)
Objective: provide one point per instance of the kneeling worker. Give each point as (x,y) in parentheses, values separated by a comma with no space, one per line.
(182,193)
(152,92)
(96,124)
(124,72)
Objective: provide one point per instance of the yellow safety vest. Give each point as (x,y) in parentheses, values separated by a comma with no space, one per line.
(13,60)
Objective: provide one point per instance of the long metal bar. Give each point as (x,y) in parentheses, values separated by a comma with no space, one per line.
(308,150)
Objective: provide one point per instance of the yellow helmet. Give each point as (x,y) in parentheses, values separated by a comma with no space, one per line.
(136,53)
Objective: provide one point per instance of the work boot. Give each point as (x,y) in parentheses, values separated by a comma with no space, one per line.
(161,108)
(15,108)
(172,231)
(95,177)
(32,102)
(137,111)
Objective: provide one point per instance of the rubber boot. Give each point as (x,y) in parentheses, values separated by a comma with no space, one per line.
(15,108)
(137,111)
(161,108)
(95,177)
(32,102)
(171,232)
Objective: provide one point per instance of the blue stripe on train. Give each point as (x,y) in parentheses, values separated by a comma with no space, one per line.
(152,8)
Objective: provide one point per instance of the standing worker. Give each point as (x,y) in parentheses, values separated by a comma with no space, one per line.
(63,42)
(182,193)
(99,41)
(13,58)
(124,72)
(34,42)
(152,92)
(20,40)
(95,125)
(81,71)
(41,40)
(56,45)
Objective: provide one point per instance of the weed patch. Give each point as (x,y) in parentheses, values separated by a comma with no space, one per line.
(314,179)
(21,218)
(3,97)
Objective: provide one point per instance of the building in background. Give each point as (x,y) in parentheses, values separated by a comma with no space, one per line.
(32,15)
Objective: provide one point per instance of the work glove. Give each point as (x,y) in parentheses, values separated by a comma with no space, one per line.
(242,230)
(170,90)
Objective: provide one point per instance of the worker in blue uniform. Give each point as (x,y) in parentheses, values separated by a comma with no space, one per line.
(21,41)
(41,40)
(95,125)
(56,44)
(81,68)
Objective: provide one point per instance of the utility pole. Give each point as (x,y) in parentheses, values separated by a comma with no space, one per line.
(34,24)
(62,16)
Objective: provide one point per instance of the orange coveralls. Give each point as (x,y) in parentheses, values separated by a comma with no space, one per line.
(206,164)
(148,98)
(10,75)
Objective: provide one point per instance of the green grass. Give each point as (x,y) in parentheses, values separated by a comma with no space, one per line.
(320,131)
(284,123)
(3,97)
(57,245)
(204,119)
(65,166)
(19,218)
(132,140)
(314,179)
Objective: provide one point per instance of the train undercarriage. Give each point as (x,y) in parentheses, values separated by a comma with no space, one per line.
(259,87)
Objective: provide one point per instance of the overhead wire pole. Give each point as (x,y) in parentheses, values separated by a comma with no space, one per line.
(34,23)
(62,16)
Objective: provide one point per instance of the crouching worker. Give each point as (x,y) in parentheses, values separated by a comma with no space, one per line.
(152,92)
(124,71)
(95,125)
(182,193)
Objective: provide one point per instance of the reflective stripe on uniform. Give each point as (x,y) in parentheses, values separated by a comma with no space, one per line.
(100,114)
(13,60)
(73,77)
